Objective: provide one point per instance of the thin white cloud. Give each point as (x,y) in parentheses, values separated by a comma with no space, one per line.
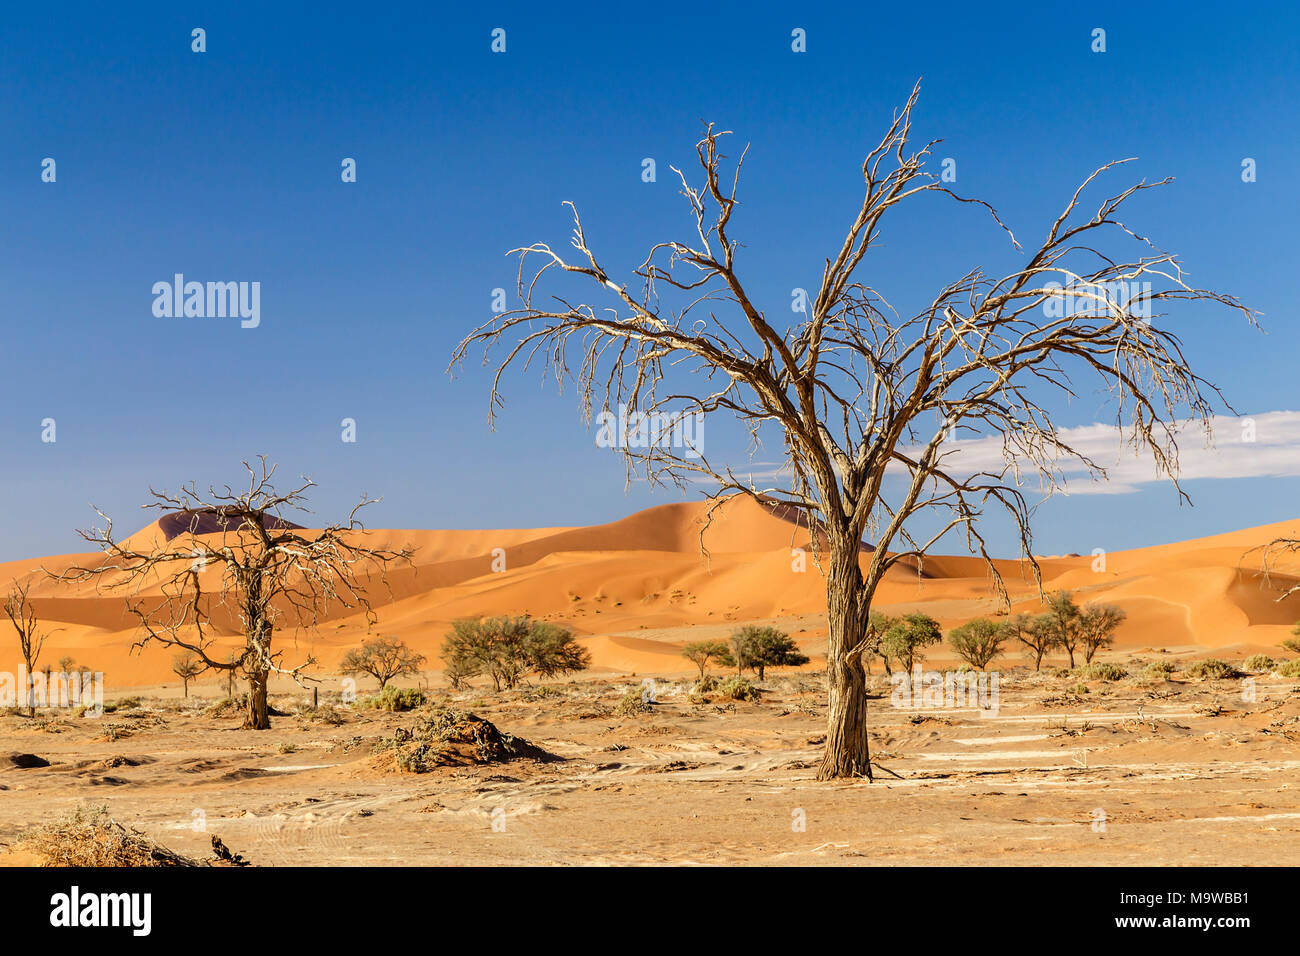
(1266,445)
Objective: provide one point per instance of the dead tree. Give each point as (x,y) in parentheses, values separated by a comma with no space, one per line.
(1279,569)
(18,608)
(857,391)
(237,553)
(187,666)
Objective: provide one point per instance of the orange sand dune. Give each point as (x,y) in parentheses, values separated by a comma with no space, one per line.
(634,590)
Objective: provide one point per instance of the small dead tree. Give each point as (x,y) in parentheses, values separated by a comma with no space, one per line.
(237,555)
(856,391)
(232,672)
(18,608)
(383,659)
(1279,567)
(187,666)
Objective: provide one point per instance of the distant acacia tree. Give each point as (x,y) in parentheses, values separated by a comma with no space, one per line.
(978,641)
(700,653)
(1062,620)
(855,390)
(508,648)
(237,551)
(759,648)
(903,639)
(1097,625)
(458,670)
(1035,633)
(383,659)
(22,615)
(187,666)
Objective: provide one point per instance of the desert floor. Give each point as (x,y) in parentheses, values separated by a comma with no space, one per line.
(1137,771)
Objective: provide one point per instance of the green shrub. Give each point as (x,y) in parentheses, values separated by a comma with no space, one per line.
(1078,689)
(705,686)
(1098,670)
(1258,662)
(324,715)
(632,704)
(1159,669)
(738,688)
(1289,668)
(225,707)
(1210,669)
(394,699)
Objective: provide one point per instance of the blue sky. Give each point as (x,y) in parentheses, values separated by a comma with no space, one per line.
(225,165)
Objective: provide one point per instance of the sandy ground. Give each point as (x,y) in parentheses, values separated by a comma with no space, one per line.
(1137,771)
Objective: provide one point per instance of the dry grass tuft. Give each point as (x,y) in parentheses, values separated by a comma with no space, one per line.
(90,837)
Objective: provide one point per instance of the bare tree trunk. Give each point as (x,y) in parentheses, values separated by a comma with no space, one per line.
(259,634)
(258,716)
(30,690)
(846,752)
